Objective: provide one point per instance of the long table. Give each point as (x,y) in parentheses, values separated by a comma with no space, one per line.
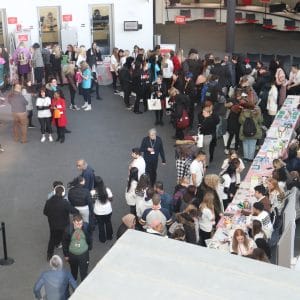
(275,145)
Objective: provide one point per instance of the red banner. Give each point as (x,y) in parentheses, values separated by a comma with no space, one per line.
(12,20)
(67,18)
(23,37)
(180,20)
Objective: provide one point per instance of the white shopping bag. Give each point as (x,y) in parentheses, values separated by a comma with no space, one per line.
(154,104)
(200,140)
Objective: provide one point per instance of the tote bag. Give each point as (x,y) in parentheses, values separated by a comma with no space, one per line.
(154,104)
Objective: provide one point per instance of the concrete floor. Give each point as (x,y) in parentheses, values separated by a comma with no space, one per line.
(104,137)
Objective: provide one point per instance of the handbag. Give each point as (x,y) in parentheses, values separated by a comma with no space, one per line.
(184,121)
(56,113)
(200,140)
(154,104)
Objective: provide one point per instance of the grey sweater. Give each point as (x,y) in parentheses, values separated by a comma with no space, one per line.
(18,103)
(37,59)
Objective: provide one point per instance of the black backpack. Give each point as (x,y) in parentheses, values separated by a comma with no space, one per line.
(249,128)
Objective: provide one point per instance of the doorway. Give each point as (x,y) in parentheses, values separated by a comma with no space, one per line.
(49,24)
(101,26)
(2,28)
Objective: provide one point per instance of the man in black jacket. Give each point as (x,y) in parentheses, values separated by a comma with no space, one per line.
(57,209)
(152,147)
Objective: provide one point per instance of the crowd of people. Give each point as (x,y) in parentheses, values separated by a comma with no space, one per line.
(205,100)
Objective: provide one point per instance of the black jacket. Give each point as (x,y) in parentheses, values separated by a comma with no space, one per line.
(92,57)
(208,125)
(80,196)
(57,209)
(158,149)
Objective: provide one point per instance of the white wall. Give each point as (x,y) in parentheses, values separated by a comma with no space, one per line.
(122,10)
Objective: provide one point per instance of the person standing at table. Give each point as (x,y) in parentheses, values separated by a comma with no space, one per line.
(152,147)
(207,217)
(251,121)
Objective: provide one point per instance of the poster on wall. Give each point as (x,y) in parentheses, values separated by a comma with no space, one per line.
(49,19)
(166,48)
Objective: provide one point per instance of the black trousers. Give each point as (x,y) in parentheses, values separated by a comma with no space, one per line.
(45,125)
(95,83)
(55,239)
(159,115)
(39,75)
(127,92)
(237,138)
(60,132)
(204,236)
(57,74)
(151,167)
(72,94)
(47,72)
(105,227)
(86,95)
(29,116)
(179,134)
(132,209)
(80,262)
(114,78)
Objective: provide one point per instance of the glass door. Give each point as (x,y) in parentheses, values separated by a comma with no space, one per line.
(49,24)
(2,28)
(101,27)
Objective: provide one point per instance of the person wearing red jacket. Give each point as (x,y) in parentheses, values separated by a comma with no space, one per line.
(59,118)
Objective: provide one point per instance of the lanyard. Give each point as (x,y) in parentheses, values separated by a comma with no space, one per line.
(152,144)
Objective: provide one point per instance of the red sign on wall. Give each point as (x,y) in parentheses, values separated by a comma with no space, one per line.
(180,20)
(12,20)
(67,18)
(23,38)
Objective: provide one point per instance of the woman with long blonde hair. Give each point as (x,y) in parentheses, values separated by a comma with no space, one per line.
(81,55)
(207,217)
(276,196)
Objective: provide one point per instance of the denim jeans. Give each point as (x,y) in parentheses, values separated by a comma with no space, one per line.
(249,146)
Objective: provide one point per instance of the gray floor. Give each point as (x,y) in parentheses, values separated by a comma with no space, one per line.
(104,137)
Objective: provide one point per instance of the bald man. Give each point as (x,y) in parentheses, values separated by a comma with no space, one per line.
(87,173)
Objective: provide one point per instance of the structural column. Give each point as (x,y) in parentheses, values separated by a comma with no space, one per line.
(230,26)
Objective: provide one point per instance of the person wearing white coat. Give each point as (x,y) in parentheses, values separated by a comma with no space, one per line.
(272,106)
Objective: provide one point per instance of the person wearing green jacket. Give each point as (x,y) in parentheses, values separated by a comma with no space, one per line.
(250,131)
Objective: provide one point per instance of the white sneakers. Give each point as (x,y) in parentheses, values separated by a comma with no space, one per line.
(88,107)
(84,105)
(43,139)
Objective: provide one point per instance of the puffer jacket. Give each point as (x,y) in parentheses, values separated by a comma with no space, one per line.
(256,115)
